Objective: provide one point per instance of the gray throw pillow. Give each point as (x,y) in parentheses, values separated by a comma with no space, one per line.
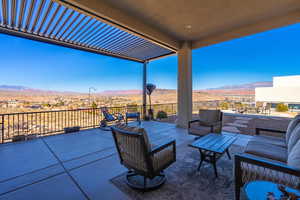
(294,156)
(294,138)
(291,127)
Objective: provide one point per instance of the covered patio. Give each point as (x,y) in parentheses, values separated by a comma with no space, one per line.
(85,165)
(79,165)
(144,31)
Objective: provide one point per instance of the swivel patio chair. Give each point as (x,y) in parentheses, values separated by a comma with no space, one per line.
(145,162)
(109,119)
(210,121)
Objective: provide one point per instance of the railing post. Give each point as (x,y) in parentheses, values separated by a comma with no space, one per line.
(2,128)
(94,118)
(144,89)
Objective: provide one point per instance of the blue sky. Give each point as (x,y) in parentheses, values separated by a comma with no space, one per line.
(254,58)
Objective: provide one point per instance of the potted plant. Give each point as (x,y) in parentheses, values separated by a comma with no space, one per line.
(149,89)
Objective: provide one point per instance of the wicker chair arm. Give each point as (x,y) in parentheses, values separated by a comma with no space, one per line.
(163,146)
(247,158)
(163,155)
(250,168)
(192,121)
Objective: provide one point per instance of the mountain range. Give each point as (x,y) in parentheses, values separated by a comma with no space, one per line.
(241,88)
(248,86)
(13,88)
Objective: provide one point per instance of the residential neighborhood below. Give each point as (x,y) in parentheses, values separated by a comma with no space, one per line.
(233,98)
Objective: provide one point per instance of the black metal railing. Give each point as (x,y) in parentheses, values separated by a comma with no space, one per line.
(169,108)
(44,123)
(53,122)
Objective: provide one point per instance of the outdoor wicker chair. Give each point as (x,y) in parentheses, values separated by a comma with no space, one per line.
(270,158)
(145,162)
(109,118)
(210,121)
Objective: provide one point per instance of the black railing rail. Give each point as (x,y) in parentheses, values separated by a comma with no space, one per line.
(54,121)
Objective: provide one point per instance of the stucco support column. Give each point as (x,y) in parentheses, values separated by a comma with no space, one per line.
(184,87)
(144,89)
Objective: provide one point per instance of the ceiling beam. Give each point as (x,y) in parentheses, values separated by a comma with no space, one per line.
(118,18)
(249,29)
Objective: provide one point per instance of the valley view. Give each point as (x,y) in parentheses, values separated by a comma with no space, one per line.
(22,99)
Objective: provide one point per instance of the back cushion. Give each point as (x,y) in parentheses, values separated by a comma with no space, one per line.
(209,115)
(136,130)
(108,116)
(291,127)
(294,156)
(294,138)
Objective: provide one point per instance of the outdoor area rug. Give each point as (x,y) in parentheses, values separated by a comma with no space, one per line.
(185,182)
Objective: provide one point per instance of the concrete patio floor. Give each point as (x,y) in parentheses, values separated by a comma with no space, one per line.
(73,166)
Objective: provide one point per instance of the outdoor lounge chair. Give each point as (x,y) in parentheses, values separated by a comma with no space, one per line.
(145,163)
(132,113)
(271,159)
(210,121)
(109,118)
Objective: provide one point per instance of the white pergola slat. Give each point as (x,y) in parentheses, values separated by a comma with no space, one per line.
(53,22)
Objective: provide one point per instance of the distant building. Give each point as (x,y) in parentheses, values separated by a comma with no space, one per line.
(12,103)
(285,90)
(239,98)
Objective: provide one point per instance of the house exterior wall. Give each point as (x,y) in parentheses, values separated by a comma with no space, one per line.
(286,81)
(277,95)
(285,89)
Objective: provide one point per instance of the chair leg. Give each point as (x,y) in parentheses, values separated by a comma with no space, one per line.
(237,192)
(214,163)
(228,154)
(202,157)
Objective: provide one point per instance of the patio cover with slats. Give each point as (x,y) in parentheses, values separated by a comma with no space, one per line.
(145,30)
(55,22)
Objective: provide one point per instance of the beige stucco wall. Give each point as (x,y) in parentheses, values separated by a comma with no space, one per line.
(279,94)
(286,81)
(285,89)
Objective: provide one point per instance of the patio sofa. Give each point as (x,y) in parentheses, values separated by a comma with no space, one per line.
(271,159)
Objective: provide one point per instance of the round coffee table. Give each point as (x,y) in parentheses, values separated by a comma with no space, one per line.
(261,189)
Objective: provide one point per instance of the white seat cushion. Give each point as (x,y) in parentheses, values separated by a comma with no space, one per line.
(291,127)
(270,140)
(294,156)
(267,151)
(295,136)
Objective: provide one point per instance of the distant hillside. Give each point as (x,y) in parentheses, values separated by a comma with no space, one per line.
(136,92)
(248,86)
(243,89)
(120,92)
(13,88)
